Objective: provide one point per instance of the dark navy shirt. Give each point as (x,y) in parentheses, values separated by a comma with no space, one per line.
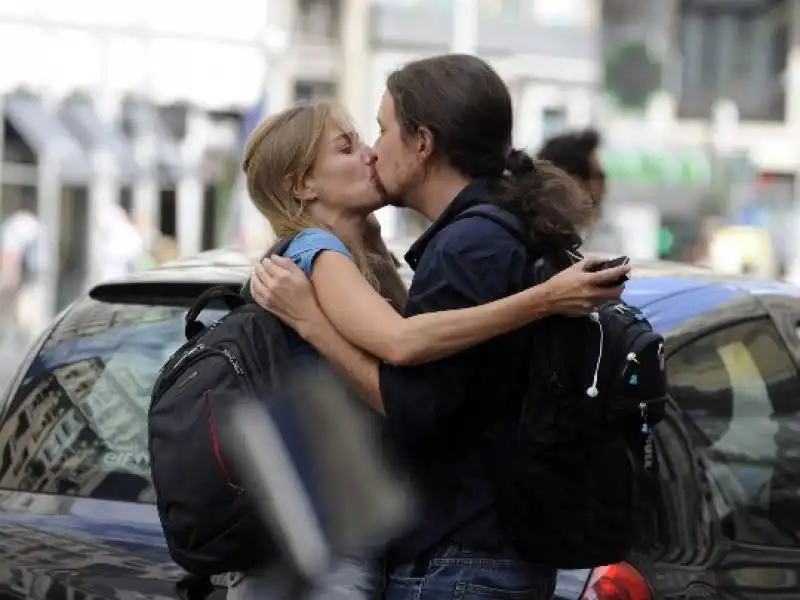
(442,416)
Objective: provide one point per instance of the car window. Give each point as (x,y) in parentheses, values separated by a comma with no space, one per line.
(738,389)
(78,423)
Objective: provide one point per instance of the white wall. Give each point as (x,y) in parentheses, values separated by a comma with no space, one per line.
(535,98)
(166,47)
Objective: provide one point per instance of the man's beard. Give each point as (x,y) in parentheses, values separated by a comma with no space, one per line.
(386,197)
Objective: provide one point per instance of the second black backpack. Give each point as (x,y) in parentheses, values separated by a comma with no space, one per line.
(576,484)
(210,524)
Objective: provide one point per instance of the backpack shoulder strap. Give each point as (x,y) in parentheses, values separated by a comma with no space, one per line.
(278,248)
(541,268)
(230,297)
(220,292)
(497,215)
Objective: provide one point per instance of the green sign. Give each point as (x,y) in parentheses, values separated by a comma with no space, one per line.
(682,168)
(666,241)
(631,74)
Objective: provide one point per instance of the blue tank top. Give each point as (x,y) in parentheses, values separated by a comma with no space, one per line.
(303,250)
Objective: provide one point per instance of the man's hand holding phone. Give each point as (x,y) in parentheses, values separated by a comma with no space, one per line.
(599,267)
(587,284)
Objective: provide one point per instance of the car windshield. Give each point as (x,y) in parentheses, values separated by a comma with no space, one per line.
(77,425)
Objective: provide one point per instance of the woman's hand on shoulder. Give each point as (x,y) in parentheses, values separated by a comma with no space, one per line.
(576,290)
(281,287)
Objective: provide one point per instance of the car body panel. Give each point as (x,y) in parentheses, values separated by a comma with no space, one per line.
(66,547)
(58,547)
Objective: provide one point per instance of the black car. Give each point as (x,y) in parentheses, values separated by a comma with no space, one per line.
(77,518)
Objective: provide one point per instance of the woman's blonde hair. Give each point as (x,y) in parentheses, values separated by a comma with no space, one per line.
(278,155)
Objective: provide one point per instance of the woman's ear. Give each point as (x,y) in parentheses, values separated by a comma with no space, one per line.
(303,190)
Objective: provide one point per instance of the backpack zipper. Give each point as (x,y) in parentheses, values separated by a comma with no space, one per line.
(187,355)
(227,354)
(196,353)
(632,357)
(231,358)
(648,437)
(166,373)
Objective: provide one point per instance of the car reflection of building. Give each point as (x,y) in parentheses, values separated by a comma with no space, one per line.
(82,323)
(42,438)
(81,428)
(97,318)
(23,544)
(59,435)
(116,418)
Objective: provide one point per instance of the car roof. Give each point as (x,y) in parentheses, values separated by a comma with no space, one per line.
(226,265)
(221,266)
(652,281)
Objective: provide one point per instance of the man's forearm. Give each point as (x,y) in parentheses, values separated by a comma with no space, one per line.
(355,365)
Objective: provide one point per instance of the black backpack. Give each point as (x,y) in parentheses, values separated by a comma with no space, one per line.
(576,486)
(210,525)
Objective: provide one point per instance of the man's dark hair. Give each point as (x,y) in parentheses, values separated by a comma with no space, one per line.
(464,104)
(467,108)
(571,151)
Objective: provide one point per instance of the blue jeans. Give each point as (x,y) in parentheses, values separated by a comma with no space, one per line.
(348,579)
(455,574)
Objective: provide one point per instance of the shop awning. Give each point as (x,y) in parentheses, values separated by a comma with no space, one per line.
(140,117)
(81,119)
(44,133)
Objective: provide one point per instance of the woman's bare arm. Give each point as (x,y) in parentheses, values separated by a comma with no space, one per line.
(365,319)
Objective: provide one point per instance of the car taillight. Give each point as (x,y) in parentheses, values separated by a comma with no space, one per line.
(616,582)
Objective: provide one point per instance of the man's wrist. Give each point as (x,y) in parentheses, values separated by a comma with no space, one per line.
(545,296)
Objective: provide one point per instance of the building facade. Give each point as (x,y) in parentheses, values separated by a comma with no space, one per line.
(702,111)
(728,80)
(143,104)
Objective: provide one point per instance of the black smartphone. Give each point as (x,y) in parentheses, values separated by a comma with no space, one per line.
(610,264)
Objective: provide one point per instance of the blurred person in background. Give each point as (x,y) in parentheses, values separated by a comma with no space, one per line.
(698,253)
(444,145)
(163,249)
(578,153)
(22,268)
(121,244)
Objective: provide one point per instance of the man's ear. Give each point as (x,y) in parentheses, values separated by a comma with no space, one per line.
(424,144)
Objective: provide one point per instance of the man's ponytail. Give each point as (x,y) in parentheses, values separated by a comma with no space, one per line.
(551,205)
